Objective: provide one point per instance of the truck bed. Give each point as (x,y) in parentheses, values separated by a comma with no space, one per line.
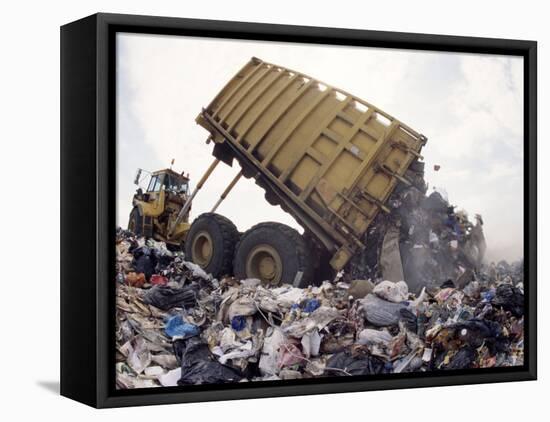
(329,158)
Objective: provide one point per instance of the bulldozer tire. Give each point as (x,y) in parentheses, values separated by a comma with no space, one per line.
(275,254)
(210,244)
(135,222)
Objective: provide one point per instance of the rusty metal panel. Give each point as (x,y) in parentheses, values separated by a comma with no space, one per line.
(333,155)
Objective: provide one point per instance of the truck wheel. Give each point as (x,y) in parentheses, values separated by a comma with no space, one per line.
(135,222)
(210,243)
(275,254)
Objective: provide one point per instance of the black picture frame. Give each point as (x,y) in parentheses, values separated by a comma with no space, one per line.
(88,213)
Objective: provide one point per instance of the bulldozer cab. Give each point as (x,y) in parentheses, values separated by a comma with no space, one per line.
(166,188)
(169,181)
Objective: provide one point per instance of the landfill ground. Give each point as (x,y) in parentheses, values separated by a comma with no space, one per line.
(176,325)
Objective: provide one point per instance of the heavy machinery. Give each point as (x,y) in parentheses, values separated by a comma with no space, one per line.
(154,211)
(328,158)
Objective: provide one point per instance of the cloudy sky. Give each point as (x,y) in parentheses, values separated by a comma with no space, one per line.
(469,106)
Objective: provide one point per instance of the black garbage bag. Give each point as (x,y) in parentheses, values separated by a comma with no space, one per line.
(510,299)
(463,359)
(165,297)
(198,366)
(409,319)
(358,364)
(475,332)
(145,264)
(144,261)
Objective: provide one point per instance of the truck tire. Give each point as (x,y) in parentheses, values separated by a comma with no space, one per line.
(275,254)
(210,244)
(135,222)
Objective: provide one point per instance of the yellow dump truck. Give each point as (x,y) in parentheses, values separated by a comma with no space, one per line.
(328,158)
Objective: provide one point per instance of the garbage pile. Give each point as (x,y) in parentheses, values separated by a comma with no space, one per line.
(175,325)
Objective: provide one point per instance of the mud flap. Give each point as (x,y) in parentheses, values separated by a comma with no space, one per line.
(390,257)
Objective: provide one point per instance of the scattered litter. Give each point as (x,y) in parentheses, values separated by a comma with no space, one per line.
(356,361)
(165,297)
(380,312)
(271,352)
(176,325)
(171,378)
(238,322)
(135,279)
(311,305)
(199,366)
(158,280)
(358,289)
(394,292)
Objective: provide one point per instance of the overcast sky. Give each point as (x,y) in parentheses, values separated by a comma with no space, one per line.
(469,106)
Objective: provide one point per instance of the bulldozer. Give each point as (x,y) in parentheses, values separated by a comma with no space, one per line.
(155,210)
(326,157)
